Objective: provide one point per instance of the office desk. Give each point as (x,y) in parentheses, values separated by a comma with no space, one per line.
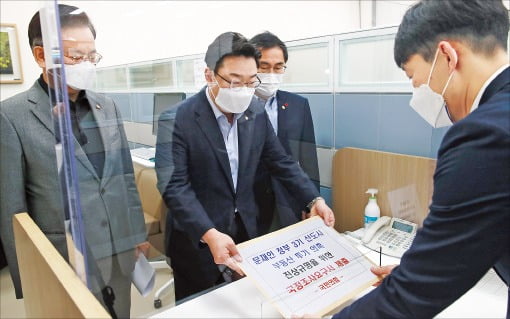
(241,299)
(141,161)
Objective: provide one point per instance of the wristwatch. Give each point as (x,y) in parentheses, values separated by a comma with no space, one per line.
(308,207)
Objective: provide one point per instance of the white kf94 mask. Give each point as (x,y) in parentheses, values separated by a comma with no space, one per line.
(269,84)
(81,76)
(430,105)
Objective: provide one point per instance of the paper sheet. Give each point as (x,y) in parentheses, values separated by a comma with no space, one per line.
(487,299)
(306,268)
(404,203)
(143,276)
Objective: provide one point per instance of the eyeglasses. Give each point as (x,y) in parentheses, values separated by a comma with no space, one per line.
(276,69)
(93,58)
(237,85)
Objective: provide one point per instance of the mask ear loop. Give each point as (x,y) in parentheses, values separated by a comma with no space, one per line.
(447,82)
(433,65)
(442,94)
(432,68)
(210,84)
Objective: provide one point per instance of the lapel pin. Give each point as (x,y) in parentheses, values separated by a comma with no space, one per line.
(98,107)
(246,117)
(284,106)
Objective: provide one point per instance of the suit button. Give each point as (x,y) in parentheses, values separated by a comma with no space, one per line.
(104,223)
(103,191)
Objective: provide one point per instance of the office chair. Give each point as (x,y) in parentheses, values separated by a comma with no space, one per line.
(154,211)
(161,264)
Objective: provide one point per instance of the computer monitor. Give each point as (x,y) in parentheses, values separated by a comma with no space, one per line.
(163,102)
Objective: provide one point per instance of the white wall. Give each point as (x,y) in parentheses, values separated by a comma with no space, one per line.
(391,12)
(159,29)
(132,31)
(20,13)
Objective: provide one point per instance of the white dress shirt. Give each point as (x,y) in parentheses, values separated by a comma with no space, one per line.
(230,137)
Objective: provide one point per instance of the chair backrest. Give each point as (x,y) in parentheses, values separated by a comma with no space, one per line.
(137,168)
(51,288)
(152,202)
(356,170)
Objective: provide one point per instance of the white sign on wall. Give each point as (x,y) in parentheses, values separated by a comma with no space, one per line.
(404,203)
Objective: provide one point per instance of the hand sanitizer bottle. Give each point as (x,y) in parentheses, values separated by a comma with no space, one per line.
(372,211)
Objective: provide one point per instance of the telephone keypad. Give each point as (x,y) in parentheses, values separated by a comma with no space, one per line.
(393,240)
(394,236)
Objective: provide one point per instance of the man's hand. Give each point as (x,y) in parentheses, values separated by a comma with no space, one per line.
(142,248)
(321,209)
(223,249)
(381,272)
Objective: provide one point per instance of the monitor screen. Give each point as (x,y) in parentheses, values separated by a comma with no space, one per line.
(402,226)
(163,102)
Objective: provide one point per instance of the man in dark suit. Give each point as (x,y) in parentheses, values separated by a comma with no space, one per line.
(291,120)
(454,51)
(112,218)
(218,141)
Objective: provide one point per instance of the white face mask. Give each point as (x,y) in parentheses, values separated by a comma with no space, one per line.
(430,105)
(81,76)
(234,100)
(270,83)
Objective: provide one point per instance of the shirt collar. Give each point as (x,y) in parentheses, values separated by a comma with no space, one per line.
(43,84)
(476,102)
(216,110)
(269,101)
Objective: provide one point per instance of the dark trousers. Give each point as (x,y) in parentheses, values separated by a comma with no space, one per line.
(121,286)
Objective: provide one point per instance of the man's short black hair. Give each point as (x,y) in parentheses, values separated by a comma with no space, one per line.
(70,16)
(229,44)
(267,40)
(480,24)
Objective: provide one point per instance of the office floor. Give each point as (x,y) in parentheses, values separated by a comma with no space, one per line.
(141,307)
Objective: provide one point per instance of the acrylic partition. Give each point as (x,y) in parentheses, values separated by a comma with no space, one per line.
(79,178)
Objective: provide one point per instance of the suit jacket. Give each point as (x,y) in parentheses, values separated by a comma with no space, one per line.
(296,134)
(112,216)
(468,228)
(201,195)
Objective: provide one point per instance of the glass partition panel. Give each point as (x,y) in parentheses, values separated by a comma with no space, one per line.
(151,75)
(308,65)
(185,73)
(98,202)
(374,67)
(111,79)
(190,73)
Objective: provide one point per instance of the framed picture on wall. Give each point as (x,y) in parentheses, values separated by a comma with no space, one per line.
(10,61)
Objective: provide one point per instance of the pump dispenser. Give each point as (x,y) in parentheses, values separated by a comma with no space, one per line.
(372,211)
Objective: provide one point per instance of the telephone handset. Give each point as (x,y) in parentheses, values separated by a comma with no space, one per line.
(394,235)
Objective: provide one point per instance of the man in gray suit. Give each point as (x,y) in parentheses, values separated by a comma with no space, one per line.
(29,180)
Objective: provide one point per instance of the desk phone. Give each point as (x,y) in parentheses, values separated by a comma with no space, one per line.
(394,235)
